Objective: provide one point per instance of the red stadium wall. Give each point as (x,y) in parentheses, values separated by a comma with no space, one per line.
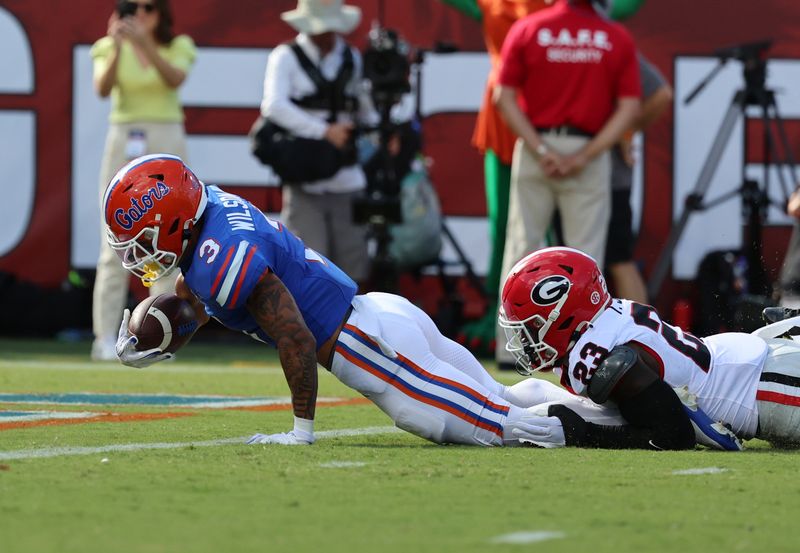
(663,30)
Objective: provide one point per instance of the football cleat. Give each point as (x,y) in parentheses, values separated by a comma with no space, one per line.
(707,431)
(775,314)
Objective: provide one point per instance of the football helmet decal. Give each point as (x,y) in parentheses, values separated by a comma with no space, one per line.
(549,299)
(550,290)
(150,208)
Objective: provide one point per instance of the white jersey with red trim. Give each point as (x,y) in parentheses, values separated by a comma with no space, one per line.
(722,370)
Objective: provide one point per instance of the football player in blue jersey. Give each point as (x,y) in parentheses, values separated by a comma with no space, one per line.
(253,275)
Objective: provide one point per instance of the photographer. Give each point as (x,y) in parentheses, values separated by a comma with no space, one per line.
(320,211)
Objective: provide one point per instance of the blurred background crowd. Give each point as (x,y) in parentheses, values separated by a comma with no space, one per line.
(424,146)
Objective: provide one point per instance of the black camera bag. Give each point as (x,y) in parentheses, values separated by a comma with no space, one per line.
(301,160)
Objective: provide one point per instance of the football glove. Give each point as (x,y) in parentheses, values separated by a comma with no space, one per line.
(126,348)
(302,434)
(282,438)
(546,432)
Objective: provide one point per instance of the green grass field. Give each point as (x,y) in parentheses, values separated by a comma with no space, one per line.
(383,491)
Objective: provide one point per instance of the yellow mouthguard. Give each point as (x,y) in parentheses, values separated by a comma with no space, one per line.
(150,274)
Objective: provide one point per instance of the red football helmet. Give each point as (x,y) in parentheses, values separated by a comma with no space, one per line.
(150,208)
(549,299)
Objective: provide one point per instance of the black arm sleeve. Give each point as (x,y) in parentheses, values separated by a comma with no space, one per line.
(655,415)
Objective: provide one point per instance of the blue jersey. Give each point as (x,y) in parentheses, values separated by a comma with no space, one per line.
(237,245)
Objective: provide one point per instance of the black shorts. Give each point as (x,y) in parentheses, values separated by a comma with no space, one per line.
(619,246)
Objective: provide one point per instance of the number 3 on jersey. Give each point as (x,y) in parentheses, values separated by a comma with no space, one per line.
(685,343)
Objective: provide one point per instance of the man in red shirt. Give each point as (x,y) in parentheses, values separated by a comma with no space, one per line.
(568,87)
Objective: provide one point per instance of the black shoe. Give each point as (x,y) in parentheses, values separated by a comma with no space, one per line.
(775,314)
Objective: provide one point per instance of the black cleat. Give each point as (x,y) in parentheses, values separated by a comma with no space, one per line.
(775,314)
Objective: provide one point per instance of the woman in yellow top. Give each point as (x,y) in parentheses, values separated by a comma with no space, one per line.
(140,64)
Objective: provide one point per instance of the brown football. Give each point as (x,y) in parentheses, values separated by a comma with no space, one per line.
(165,321)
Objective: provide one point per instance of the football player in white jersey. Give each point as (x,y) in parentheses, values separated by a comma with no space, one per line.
(558,315)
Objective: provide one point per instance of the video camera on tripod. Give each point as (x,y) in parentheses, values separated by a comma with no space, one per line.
(753,57)
(755,195)
(386,73)
(386,67)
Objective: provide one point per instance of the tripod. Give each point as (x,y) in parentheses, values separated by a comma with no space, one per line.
(754,195)
(449,317)
(392,78)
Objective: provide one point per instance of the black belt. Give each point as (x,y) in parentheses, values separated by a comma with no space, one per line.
(568,130)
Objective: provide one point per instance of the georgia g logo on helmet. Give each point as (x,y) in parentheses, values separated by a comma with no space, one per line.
(549,290)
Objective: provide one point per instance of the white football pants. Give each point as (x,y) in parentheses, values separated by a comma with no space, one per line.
(393,353)
(778,395)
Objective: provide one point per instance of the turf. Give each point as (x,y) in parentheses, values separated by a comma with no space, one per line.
(394,492)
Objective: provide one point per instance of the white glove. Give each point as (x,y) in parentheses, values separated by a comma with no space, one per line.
(282,438)
(303,434)
(546,432)
(126,348)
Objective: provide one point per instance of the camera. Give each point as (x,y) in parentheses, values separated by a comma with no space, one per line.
(386,67)
(386,74)
(125,8)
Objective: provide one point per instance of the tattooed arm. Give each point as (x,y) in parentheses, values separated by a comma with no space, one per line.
(274,309)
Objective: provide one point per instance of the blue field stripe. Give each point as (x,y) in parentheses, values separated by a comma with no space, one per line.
(432,397)
(471,396)
(122,399)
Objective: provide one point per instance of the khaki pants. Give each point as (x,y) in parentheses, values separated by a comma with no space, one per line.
(584,202)
(324,222)
(111,281)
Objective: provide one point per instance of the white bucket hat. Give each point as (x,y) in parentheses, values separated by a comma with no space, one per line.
(315,17)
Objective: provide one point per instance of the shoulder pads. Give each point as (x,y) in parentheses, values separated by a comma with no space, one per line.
(611,370)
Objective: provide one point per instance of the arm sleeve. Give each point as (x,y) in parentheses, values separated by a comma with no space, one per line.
(629,84)
(651,78)
(183,53)
(656,420)
(654,413)
(99,52)
(367,114)
(469,8)
(512,60)
(236,272)
(277,105)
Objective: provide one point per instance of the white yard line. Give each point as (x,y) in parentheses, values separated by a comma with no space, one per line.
(342,464)
(706,470)
(30,416)
(64,451)
(521,538)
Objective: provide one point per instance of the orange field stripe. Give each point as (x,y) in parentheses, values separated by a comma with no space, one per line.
(103,417)
(139,417)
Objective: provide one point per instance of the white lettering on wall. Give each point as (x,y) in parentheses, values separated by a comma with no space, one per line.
(17,131)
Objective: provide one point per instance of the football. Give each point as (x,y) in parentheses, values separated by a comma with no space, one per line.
(165,321)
